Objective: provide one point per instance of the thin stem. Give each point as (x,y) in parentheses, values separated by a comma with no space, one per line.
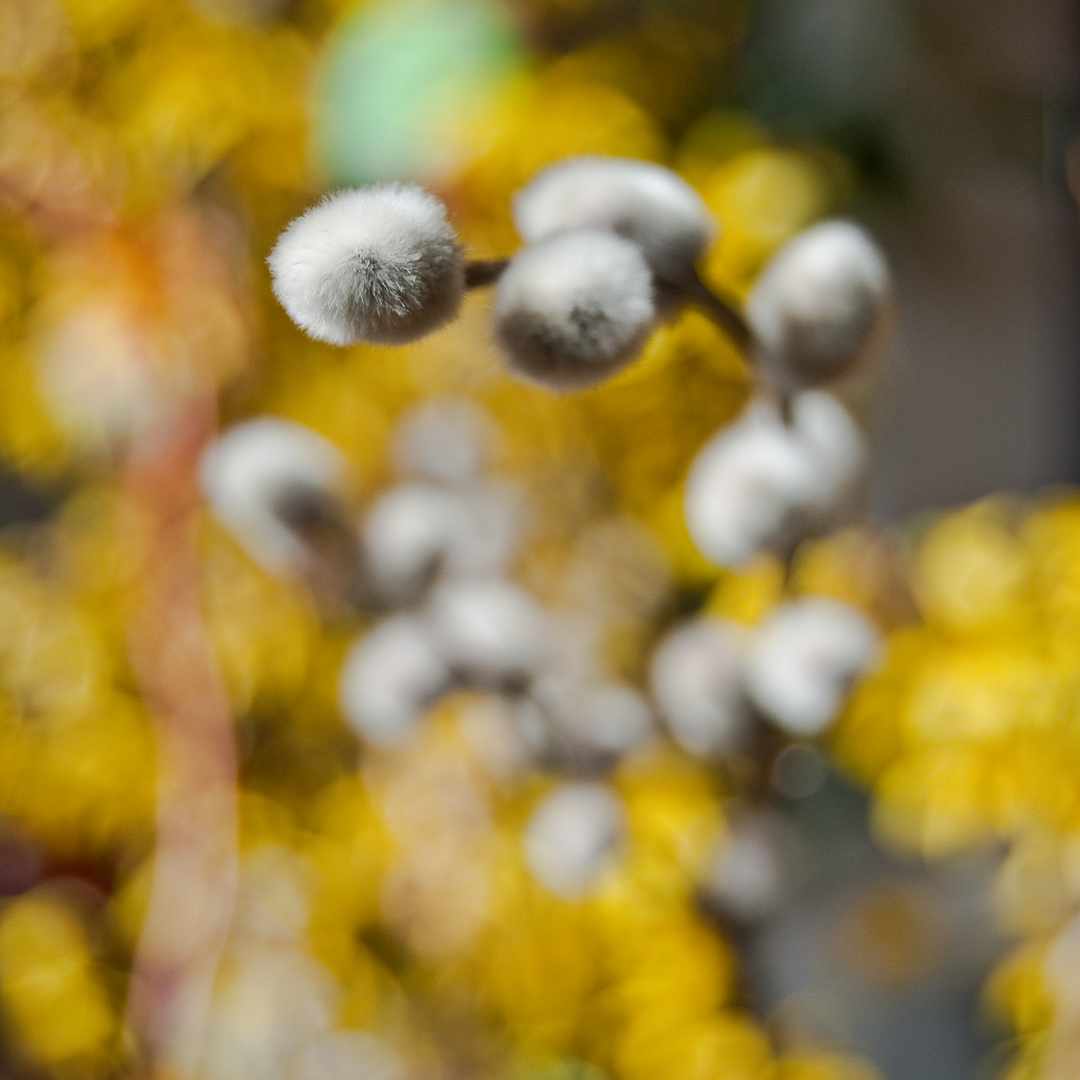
(195,860)
(719,310)
(481,272)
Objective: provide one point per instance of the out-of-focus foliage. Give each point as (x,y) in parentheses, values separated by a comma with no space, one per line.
(967,736)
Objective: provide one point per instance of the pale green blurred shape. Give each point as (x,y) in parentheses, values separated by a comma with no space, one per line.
(398,75)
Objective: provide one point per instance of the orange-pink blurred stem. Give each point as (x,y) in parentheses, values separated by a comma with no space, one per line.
(195,865)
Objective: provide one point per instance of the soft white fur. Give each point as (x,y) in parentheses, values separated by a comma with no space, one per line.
(574,308)
(571,837)
(251,467)
(445,439)
(744,486)
(407,534)
(388,678)
(645,203)
(376,264)
(819,302)
(593,718)
(491,632)
(835,445)
(417,530)
(696,677)
(749,871)
(803,660)
(759,480)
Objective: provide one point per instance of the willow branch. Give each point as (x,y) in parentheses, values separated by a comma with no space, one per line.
(723,313)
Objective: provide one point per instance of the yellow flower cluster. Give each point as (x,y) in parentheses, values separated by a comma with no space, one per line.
(967,737)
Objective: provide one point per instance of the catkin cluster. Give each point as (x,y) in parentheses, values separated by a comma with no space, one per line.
(611,247)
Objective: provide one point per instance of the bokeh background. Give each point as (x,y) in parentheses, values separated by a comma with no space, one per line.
(206,872)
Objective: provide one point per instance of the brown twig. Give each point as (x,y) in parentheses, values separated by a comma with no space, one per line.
(483,272)
(723,313)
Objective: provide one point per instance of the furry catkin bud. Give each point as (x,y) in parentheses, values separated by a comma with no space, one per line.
(819,303)
(491,632)
(645,203)
(255,471)
(803,660)
(743,486)
(376,264)
(574,308)
(594,720)
(407,535)
(443,439)
(416,531)
(748,875)
(389,676)
(761,483)
(571,837)
(696,678)
(834,445)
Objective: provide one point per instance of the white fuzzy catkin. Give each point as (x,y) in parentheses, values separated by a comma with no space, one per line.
(696,678)
(250,470)
(747,875)
(443,439)
(375,264)
(574,308)
(819,302)
(758,481)
(833,441)
(602,718)
(417,530)
(407,534)
(388,678)
(803,660)
(571,837)
(744,485)
(493,521)
(646,203)
(491,632)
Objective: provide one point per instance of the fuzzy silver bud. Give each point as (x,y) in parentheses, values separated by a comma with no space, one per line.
(696,677)
(743,486)
(749,875)
(571,837)
(836,448)
(761,484)
(252,472)
(803,660)
(390,675)
(643,202)
(377,264)
(417,531)
(491,633)
(574,308)
(443,439)
(593,719)
(820,302)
